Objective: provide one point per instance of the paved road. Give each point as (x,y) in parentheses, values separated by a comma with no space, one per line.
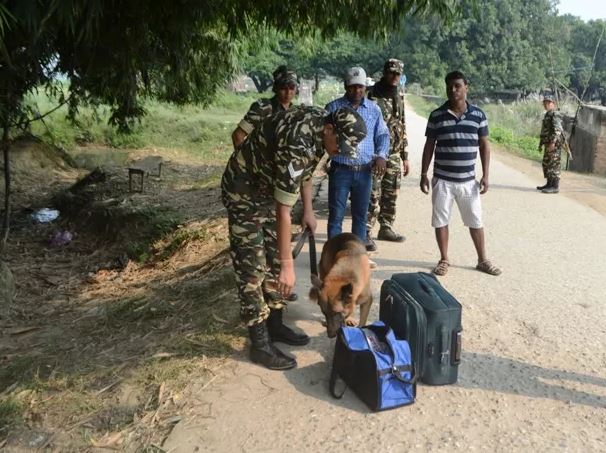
(533,372)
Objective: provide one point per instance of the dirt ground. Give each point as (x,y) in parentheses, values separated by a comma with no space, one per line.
(113,345)
(107,330)
(532,373)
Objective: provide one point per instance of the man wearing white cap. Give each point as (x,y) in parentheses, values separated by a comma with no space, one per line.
(353,177)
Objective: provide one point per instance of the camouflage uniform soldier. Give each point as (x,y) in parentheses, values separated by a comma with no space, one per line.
(261,183)
(552,142)
(285,89)
(390,98)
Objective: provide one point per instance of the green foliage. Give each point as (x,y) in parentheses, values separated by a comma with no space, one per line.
(151,224)
(422,105)
(10,411)
(582,42)
(120,52)
(202,131)
(521,144)
(514,45)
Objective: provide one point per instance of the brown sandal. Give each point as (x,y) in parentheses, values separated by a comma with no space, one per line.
(441,268)
(488,268)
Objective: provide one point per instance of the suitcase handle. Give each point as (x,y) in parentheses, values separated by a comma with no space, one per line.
(428,289)
(444,350)
(456,347)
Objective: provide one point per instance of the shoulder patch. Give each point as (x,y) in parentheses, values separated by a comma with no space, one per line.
(294,173)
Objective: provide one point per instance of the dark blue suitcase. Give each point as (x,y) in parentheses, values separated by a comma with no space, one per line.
(422,312)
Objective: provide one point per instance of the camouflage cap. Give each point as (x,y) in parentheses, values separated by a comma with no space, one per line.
(549,97)
(351,130)
(283,76)
(393,65)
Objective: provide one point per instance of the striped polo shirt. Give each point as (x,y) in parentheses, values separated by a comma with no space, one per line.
(457,141)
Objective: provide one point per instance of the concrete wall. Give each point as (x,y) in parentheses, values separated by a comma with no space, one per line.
(588,143)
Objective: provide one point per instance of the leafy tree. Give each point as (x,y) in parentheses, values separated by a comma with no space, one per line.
(118,51)
(587,75)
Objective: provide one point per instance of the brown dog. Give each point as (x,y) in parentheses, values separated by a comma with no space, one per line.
(344,282)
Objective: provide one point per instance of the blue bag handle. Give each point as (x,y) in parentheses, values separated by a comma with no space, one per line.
(391,341)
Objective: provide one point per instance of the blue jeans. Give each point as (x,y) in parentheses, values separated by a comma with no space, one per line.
(342,182)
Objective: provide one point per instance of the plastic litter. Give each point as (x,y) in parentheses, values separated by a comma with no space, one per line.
(45,215)
(62,238)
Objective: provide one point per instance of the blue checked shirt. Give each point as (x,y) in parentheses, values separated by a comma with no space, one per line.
(376,143)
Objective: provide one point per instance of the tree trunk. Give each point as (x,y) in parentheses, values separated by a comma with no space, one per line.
(7,190)
(317,83)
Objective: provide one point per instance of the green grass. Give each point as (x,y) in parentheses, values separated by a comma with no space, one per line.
(10,414)
(524,145)
(421,105)
(151,224)
(202,131)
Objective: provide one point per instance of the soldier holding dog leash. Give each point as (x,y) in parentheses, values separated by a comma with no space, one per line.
(261,183)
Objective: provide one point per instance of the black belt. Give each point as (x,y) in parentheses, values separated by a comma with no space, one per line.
(361,167)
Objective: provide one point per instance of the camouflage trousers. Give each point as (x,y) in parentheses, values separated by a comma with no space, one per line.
(253,245)
(384,194)
(552,163)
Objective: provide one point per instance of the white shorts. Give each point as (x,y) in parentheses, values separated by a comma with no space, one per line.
(467,196)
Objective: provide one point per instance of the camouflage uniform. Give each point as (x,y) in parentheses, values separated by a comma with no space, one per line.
(270,166)
(263,108)
(552,131)
(258,111)
(385,190)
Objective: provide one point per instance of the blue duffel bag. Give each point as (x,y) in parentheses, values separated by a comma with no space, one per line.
(375,365)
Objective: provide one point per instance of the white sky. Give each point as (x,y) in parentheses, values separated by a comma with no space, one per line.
(585,9)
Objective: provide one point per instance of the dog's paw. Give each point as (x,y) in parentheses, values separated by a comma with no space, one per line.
(351,322)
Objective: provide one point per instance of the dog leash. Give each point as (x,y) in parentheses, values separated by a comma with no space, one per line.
(313,262)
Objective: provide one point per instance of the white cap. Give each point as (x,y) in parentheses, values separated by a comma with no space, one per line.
(355,76)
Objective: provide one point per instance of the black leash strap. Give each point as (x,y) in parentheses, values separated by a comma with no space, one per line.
(313,262)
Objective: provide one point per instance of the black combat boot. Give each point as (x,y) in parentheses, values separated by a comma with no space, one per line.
(370,244)
(279,332)
(387,234)
(554,187)
(264,352)
(544,186)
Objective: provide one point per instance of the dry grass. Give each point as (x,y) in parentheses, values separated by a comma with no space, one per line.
(100,349)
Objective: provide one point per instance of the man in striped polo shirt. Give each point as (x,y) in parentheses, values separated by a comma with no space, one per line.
(456,131)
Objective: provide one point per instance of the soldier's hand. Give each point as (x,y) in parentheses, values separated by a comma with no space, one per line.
(287,279)
(379,167)
(309,221)
(405,168)
(424,184)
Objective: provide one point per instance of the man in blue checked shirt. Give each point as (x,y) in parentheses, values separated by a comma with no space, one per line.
(352,177)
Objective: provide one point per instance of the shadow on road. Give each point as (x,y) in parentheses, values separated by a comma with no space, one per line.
(505,375)
(509,187)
